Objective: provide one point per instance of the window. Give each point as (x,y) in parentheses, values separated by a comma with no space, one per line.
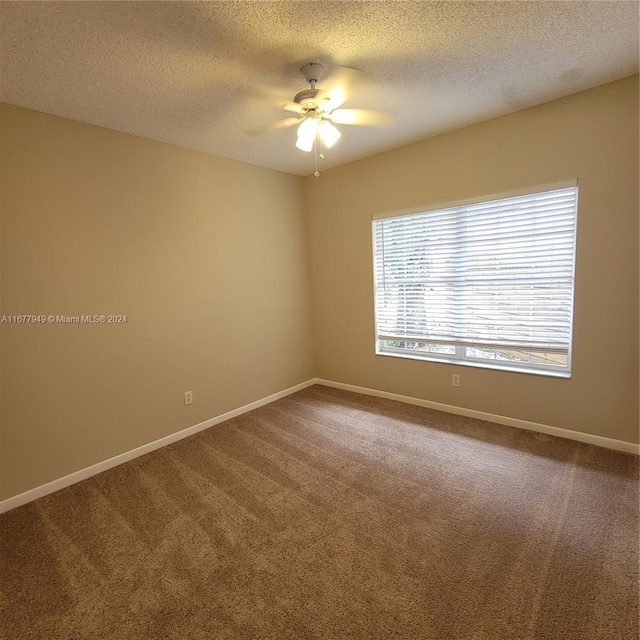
(488,284)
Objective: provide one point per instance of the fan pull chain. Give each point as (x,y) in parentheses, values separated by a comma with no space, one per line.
(315,155)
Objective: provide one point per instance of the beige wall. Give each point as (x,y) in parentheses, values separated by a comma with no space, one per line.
(592,136)
(205,256)
(209,259)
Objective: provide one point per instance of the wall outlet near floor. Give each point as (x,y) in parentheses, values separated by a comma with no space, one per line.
(455,380)
(188,397)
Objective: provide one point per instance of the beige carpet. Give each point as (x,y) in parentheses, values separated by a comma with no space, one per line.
(332,515)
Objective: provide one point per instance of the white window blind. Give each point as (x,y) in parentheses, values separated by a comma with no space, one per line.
(495,274)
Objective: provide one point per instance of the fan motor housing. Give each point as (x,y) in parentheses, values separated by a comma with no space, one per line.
(309,99)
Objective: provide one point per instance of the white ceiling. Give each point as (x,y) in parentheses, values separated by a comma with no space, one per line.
(197,74)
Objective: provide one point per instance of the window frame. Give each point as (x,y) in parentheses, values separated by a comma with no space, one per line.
(460,357)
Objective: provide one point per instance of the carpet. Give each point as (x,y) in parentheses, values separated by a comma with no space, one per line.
(333,515)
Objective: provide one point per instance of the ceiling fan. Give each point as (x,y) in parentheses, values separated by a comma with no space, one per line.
(317,110)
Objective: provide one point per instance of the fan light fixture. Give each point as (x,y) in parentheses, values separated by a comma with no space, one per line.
(313,127)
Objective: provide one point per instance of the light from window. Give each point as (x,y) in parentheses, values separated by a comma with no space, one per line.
(488,284)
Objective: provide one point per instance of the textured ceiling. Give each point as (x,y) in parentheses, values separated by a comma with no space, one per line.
(201,74)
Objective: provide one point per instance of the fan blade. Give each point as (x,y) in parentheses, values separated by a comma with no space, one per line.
(291,106)
(255,93)
(368,117)
(343,80)
(275,126)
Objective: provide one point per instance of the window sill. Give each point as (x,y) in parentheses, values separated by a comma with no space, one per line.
(478,365)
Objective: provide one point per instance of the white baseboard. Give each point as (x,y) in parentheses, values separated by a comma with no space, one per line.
(83,474)
(601,441)
(88,472)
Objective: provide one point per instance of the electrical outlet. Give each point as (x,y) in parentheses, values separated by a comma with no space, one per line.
(455,380)
(188,397)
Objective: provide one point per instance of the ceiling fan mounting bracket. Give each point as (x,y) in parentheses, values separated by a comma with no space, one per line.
(312,71)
